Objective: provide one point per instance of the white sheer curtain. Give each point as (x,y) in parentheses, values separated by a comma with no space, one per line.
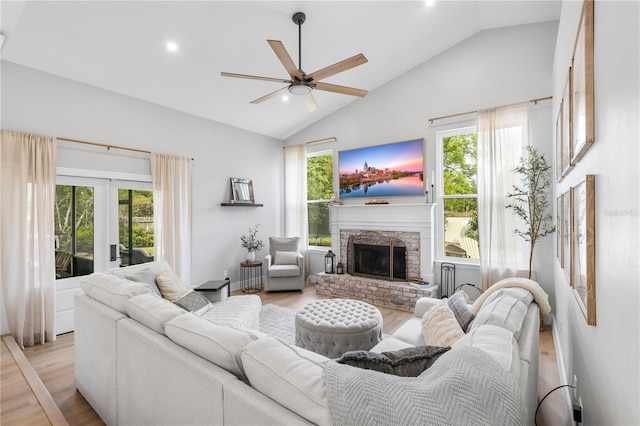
(295,196)
(502,134)
(172,212)
(27,194)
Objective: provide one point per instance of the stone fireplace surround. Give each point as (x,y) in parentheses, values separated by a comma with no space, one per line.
(413,223)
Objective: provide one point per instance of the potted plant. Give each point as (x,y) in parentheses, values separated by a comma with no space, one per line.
(531,199)
(251,243)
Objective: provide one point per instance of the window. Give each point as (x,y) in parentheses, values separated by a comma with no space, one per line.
(459,200)
(319,193)
(135,226)
(74,230)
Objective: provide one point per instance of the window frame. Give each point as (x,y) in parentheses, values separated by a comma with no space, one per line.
(465,128)
(320,153)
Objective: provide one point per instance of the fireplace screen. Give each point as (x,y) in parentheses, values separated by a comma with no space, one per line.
(375,255)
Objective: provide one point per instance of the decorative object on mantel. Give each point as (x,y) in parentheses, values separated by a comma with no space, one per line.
(329,262)
(376,202)
(532,199)
(251,243)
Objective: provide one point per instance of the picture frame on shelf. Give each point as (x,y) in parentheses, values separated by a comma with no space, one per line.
(582,78)
(583,267)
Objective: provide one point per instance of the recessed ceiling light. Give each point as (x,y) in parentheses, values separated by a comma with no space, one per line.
(172,46)
(429,3)
(285,98)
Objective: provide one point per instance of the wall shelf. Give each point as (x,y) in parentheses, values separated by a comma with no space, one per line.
(241,205)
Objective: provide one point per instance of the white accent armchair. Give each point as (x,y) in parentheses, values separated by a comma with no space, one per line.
(285,265)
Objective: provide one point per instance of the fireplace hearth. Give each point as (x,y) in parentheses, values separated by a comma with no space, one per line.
(377,255)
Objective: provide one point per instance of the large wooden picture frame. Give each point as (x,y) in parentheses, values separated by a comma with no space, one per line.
(567,124)
(559,235)
(583,85)
(583,237)
(566,235)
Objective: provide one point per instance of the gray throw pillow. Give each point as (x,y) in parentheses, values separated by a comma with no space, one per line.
(409,362)
(458,304)
(192,301)
(145,277)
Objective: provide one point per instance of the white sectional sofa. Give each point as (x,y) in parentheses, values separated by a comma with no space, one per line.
(141,360)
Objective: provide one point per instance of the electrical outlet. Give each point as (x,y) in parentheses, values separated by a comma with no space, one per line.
(575,387)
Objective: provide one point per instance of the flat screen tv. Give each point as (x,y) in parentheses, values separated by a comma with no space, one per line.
(395,169)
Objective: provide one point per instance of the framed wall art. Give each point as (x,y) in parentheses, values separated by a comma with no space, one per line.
(567,124)
(566,235)
(559,224)
(583,85)
(559,175)
(583,236)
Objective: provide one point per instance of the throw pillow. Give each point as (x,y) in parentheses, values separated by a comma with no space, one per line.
(192,301)
(286,258)
(409,362)
(170,286)
(458,305)
(145,277)
(440,327)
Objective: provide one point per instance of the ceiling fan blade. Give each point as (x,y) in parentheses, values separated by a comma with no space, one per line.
(254,77)
(341,89)
(347,64)
(285,58)
(270,95)
(311,102)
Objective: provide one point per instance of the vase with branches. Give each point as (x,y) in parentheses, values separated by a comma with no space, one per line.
(251,243)
(530,199)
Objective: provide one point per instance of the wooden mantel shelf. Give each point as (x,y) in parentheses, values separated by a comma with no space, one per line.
(241,205)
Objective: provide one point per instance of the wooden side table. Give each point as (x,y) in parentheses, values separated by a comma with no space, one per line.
(250,277)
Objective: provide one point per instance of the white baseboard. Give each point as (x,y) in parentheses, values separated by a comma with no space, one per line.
(562,372)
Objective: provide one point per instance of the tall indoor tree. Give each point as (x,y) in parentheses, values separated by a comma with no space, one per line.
(531,199)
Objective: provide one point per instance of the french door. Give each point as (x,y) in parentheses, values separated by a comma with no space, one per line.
(99,224)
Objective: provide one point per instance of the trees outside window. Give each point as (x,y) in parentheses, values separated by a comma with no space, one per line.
(319,194)
(459,193)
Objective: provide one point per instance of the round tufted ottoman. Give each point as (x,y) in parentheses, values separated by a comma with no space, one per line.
(334,326)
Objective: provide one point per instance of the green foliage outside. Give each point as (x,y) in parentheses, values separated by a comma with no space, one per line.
(65,221)
(460,178)
(142,207)
(319,187)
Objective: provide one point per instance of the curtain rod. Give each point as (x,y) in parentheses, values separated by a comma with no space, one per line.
(108,146)
(330,139)
(534,101)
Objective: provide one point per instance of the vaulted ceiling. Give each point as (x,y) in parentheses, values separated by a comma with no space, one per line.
(121,46)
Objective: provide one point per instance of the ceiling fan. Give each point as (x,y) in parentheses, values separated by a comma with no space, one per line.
(301,83)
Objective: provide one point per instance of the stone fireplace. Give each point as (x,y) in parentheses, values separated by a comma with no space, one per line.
(384,248)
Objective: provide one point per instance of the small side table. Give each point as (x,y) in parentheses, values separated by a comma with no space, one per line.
(250,277)
(215,290)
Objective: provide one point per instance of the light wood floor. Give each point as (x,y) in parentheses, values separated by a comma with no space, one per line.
(53,362)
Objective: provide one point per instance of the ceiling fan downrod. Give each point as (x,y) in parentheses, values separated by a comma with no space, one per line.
(298,19)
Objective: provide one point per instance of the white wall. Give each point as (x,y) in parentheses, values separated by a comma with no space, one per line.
(605,358)
(492,68)
(38,102)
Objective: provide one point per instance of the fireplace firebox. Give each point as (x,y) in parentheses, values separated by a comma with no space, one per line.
(376,255)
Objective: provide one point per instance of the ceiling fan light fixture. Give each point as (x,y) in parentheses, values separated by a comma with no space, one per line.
(300,89)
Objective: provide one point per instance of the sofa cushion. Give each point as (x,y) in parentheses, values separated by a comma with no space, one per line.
(152,311)
(283,244)
(285,258)
(145,277)
(503,310)
(192,301)
(291,376)
(235,311)
(171,286)
(284,271)
(111,290)
(217,343)
(497,342)
(440,327)
(521,294)
(458,305)
(155,268)
(409,362)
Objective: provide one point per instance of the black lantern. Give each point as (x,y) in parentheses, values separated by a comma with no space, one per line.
(340,268)
(329,262)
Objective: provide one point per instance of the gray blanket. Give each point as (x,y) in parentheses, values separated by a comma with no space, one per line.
(465,386)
